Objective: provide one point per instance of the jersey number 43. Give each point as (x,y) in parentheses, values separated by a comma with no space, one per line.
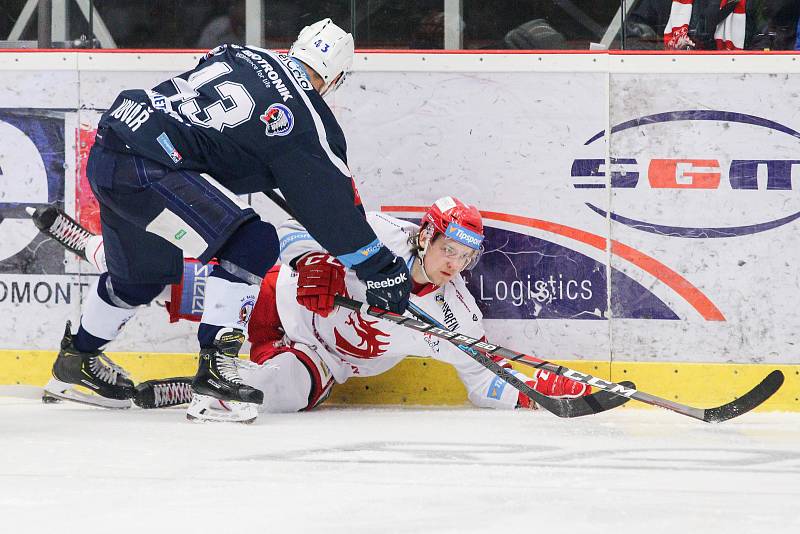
(234,106)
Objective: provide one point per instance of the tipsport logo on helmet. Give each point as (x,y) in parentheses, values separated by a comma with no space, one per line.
(718,152)
(31,175)
(464,236)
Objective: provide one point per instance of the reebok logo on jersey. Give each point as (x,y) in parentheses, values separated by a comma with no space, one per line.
(397,280)
(279,120)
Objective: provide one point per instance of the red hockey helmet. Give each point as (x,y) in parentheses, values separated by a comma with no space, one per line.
(457,221)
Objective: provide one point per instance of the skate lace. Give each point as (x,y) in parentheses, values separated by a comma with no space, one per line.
(227,368)
(69,233)
(106,370)
(171,393)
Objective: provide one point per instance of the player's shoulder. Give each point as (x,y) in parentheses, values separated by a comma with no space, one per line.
(393,232)
(391,229)
(276,72)
(381,218)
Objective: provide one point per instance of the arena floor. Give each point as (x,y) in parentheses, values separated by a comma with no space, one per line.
(72,468)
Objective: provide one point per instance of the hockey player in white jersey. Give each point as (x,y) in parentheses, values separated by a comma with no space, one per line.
(302,344)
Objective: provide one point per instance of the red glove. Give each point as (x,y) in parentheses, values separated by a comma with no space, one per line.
(553,385)
(320,277)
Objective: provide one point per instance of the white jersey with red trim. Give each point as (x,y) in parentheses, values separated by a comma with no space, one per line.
(352,344)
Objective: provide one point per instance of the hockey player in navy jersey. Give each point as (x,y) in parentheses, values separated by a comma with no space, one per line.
(166,167)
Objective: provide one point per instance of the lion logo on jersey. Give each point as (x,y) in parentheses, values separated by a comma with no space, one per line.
(279,120)
(369,346)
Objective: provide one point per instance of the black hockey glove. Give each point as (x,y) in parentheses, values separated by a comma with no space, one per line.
(388,281)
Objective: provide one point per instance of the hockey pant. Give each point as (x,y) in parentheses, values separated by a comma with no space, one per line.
(291,375)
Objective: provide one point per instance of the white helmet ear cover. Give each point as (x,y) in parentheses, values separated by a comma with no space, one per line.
(326,48)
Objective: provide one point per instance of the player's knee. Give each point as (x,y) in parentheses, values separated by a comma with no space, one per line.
(130,294)
(290,387)
(253,248)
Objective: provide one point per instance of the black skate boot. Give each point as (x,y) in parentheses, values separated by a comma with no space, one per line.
(219,393)
(92,370)
(55,223)
(163,392)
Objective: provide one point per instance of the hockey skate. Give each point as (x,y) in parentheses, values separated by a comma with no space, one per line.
(109,384)
(59,226)
(163,393)
(219,393)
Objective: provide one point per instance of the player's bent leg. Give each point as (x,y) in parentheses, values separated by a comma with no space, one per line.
(188,211)
(233,286)
(292,376)
(179,210)
(81,361)
(231,294)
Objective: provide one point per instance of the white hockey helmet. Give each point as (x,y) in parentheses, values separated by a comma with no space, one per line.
(327,49)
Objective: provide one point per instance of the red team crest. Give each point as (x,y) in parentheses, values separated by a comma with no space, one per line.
(369,346)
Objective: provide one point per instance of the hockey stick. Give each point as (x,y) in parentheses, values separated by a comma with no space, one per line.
(279,201)
(753,398)
(596,402)
(576,407)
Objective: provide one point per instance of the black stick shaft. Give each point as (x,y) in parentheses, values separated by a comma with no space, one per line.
(748,401)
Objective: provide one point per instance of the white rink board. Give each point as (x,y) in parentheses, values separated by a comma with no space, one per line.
(505,133)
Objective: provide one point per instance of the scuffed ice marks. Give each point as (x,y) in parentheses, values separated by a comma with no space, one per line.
(690,459)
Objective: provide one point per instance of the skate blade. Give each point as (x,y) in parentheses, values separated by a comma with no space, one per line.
(206,408)
(55,391)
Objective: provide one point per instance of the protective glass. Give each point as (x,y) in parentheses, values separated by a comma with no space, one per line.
(458,253)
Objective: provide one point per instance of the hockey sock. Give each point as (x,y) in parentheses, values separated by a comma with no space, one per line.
(232,287)
(228,304)
(107,308)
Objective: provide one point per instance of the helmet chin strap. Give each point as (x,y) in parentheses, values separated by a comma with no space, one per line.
(421,257)
(333,85)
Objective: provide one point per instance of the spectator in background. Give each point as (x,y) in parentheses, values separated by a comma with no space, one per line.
(559,25)
(228,28)
(644,26)
(535,34)
(775,25)
(709,25)
(429,35)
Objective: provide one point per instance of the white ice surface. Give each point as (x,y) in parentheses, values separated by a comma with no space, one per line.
(71,468)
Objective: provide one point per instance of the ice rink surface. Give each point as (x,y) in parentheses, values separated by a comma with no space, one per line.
(71,468)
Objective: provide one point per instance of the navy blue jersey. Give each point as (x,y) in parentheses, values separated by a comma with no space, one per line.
(251,119)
